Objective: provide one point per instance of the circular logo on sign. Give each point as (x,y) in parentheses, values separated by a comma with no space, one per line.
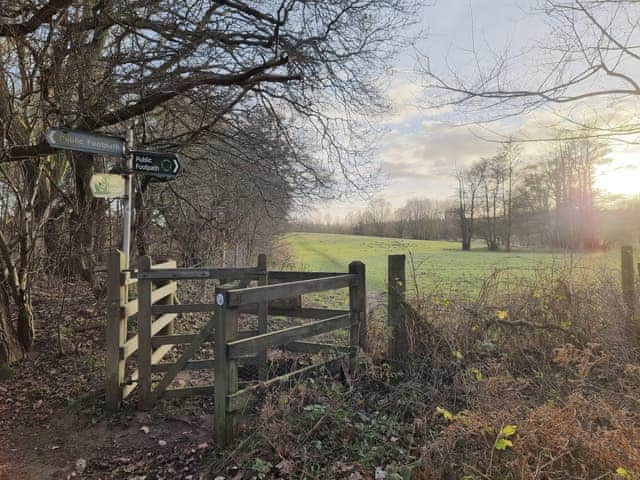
(220,299)
(166,165)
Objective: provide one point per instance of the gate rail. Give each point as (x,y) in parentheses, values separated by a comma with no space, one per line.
(157,306)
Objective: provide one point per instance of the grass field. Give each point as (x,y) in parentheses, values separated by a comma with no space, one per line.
(437,263)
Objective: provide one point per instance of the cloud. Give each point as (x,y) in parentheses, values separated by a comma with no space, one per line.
(435,150)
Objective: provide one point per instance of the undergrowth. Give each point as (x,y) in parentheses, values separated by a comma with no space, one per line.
(535,381)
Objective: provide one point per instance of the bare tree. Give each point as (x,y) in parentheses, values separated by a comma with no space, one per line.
(590,52)
(469,184)
(184,70)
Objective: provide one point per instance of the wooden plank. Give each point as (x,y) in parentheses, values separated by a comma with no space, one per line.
(243,398)
(128,390)
(158,340)
(126,279)
(129,309)
(199,274)
(226,373)
(191,365)
(253,345)
(358,307)
(184,358)
(282,276)
(163,292)
(243,296)
(144,334)
(116,332)
(132,344)
(263,319)
(156,356)
(165,265)
(629,294)
(183,308)
(396,315)
(311,313)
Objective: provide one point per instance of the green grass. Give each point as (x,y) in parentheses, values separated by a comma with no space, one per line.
(437,263)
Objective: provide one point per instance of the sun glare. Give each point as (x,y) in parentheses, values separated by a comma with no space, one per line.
(621,177)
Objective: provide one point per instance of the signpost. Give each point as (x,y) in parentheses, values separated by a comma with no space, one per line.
(107,185)
(156,164)
(77,140)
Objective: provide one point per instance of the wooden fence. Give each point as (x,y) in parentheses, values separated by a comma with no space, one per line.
(253,290)
(121,308)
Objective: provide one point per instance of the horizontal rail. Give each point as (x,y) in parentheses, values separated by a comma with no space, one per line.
(132,344)
(159,340)
(284,276)
(312,347)
(242,399)
(194,308)
(243,296)
(190,365)
(183,308)
(314,313)
(174,340)
(200,274)
(254,345)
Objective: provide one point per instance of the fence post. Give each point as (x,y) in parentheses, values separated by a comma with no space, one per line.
(396,314)
(358,307)
(263,312)
(116,334)
(144,333)
(628,277)
(226,370)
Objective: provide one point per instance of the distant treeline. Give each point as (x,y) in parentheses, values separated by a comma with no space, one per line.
(545,202)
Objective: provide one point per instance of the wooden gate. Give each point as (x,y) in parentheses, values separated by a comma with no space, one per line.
(253,290)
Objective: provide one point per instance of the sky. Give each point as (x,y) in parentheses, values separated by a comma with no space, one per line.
(420,147)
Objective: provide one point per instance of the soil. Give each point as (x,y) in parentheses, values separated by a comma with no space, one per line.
(53,424)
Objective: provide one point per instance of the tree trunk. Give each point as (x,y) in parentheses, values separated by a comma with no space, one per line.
(87,222)
(10,348)
(26,327)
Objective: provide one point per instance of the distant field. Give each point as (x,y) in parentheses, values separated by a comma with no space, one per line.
(437,263)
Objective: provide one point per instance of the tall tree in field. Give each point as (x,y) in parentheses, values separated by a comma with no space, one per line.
(571,170)
(181,69)
(508,158)
(469,184)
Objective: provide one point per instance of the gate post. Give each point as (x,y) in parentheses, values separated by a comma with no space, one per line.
(144,333)
(358,307)
(116,334)
(263,312)
(396,314)
(226,370)
(628,278)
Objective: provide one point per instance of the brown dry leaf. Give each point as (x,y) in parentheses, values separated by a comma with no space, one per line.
(286,467)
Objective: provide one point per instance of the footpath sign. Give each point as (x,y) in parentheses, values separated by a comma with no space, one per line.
(108,185)
(156,164)
(77,140)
